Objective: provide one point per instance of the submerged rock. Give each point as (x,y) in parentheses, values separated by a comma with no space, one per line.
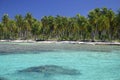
(51,69)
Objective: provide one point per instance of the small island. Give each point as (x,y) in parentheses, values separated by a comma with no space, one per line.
(59,40)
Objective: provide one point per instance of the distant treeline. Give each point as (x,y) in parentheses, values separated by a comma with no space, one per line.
(101,24)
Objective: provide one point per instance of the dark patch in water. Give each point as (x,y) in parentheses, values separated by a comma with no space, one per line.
(51,69)
(2,78)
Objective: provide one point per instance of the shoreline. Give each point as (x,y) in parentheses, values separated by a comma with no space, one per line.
(62,42)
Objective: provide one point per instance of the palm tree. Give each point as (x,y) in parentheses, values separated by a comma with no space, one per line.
(83,25)
(19,24)
(5,21)
(13,29)
(92,16)
(30,20)
(111,15)
(45,28)
(103,26)
(1,30)
(25,29)
(95,17)
(36,29)
(59,25)
(118,25)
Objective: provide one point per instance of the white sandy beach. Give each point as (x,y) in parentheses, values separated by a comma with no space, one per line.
(62,42)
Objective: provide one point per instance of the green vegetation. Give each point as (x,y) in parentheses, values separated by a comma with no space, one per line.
(101,24)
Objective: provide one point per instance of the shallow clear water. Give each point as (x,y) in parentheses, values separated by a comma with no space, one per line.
(93,62)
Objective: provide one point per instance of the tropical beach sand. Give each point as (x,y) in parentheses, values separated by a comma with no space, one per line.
(69,42)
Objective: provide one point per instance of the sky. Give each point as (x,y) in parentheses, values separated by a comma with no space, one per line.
(40,8)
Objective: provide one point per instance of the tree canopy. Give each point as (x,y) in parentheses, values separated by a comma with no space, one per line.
(101,24)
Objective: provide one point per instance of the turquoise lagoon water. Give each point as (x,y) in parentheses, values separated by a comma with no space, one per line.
(59,62)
